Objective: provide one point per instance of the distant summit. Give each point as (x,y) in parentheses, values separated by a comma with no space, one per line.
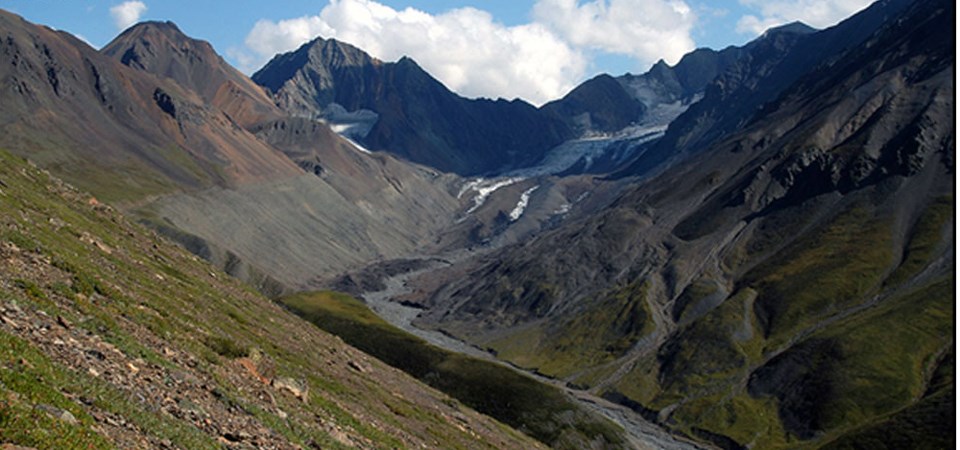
(400,108)
(796,27)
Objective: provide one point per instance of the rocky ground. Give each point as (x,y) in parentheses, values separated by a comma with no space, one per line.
(112,337)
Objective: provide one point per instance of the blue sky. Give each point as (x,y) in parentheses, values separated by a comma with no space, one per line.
(534,49)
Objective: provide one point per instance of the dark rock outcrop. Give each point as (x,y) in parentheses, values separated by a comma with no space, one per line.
(600,104)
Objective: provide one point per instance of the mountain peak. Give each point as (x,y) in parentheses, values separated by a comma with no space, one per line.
(142,44)
(162,49)
(661,67)
(320,53)
(165,25)
(406,61)
(418,117)
(153,30)
(795,27)
(338,53)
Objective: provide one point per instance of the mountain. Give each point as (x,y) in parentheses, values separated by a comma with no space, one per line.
(159,125)
(788,284)
(599,104)
(618,119)
(111,337)
(113,130)
(154,348)
(399,108)
(606,104)
(162,49)
(771,265)
(768,65)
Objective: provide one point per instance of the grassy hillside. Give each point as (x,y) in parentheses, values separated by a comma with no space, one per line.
(110,337)
(542,411)
(830,340)
(600,333)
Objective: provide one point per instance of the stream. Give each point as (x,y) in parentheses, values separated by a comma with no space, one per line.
(641,433)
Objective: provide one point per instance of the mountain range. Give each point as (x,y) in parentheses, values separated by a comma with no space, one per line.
(753,248)
(789,283)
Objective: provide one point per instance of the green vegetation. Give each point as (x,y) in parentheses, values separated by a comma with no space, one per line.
(740,417)
(88,287)
(31,289)
(120,182)
(926,236)
(919,426)
(889,354)
(226,347)
(712,353)
(20,418)
(604,331)
(766,368)
(30,379)
(870,369)
(691,297)
(542,411)
(837,267)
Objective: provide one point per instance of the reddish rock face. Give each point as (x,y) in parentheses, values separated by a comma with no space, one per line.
(132,132)
(162,49)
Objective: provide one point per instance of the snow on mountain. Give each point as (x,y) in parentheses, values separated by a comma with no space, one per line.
(522,204)
(484,187)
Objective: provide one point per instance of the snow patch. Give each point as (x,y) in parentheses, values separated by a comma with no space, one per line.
(484,188)
(593,148)
(587,150)
(357,146)
(522,204)
(340,128)
(350,124)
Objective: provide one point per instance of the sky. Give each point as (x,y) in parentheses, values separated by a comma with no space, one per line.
(537,50)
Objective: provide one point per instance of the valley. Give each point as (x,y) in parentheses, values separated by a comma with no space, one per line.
(753,247)
(641,433)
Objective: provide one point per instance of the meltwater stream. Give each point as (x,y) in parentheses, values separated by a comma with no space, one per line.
(642,434)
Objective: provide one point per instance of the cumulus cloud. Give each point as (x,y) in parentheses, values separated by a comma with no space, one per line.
(647,30)
(127,13)
(464,48)
(816,13)
(476,56)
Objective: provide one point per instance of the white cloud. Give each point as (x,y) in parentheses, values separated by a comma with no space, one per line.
(816,13)
(476,56)
(647,30)
(754,25)
(464,48)
(127,13)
